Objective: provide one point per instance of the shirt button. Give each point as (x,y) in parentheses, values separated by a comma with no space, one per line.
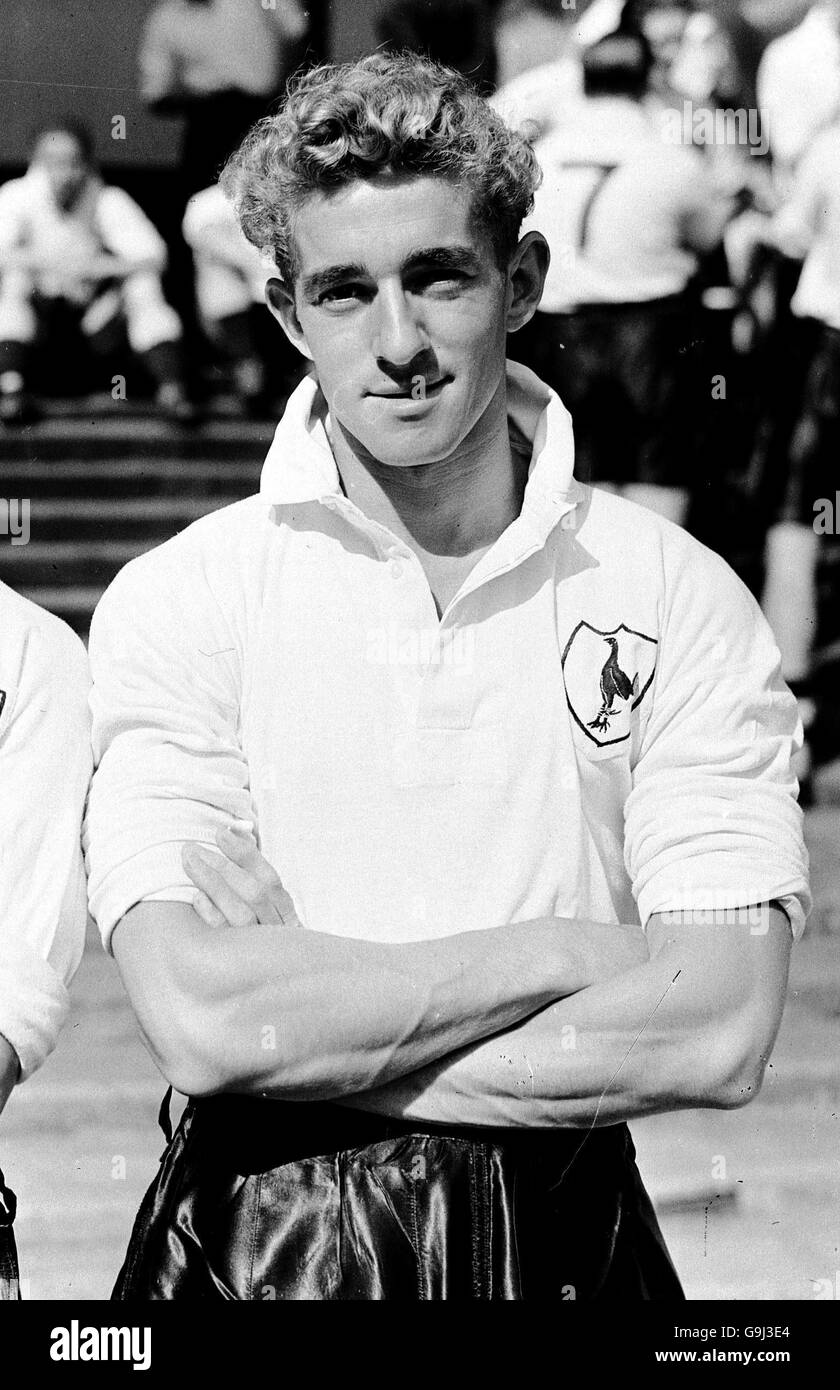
(396,569)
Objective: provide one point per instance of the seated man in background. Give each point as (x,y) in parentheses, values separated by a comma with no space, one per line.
(510,758)
(45,765)
(627,218)
(71,243)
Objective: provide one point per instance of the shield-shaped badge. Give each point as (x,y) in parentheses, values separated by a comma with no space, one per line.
(606,675)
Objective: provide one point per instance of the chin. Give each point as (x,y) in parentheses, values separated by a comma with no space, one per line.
(411,448)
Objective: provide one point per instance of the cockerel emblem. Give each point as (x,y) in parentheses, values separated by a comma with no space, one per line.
(615,685)
(606,676)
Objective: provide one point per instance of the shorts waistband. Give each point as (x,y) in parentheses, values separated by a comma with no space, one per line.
(272,1132)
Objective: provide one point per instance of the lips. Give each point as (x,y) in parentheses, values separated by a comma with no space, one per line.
(411,393)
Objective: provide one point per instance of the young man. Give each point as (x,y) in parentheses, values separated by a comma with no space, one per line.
(71,244)
(45,764)
(504,742)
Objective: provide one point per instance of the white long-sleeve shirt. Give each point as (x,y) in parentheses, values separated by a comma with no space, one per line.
(280,663)
(798,86)
(211,229)
(45,766)
(624,212)
(104,218)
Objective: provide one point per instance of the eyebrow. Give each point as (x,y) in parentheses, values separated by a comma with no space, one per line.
(444,257)
(321,280)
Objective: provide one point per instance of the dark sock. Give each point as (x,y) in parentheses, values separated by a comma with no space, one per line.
(165,363)
(14,358)
(234,336)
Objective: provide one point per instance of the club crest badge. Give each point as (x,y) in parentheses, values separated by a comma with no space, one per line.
(606,675)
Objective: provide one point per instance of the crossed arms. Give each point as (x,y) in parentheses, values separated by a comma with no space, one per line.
(551,1022)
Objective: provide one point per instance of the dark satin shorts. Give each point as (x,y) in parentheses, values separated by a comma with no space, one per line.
(275,1200)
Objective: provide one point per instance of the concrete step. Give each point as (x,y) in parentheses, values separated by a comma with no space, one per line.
(73,603)
(134,475)
(105,438)
(151,519)
(59,563)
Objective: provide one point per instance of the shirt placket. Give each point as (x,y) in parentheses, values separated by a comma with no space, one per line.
(434,663)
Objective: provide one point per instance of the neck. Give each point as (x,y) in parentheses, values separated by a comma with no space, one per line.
(452,507)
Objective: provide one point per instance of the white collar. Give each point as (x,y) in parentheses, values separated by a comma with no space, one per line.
(300,465)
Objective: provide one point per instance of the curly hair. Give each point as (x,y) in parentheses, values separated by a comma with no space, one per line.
(388,113)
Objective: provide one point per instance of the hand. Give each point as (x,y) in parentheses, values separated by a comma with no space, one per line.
(237,888)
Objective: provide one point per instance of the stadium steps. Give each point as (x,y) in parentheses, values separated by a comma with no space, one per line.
(103,489)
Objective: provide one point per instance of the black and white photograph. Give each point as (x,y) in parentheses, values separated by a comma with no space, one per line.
(420,666)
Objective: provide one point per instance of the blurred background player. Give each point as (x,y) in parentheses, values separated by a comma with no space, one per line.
(73,248)
(628,218)
(806,230)
(798,93)
(665,26)
(230,279)
(218,64)
(539,46)
(799,84)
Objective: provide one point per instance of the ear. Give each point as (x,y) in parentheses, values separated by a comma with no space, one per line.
(526,278)
(281,302)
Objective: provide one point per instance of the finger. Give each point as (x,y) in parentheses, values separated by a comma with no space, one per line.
(243,884)
(237,845)
(208,912)
(241,849)
(207,869)
(236,910)
(285,908)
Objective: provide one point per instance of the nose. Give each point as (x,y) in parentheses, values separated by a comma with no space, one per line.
(399,335)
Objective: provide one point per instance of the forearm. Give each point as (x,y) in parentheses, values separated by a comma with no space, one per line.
(677,1032)
(590,1059)
(306,1015)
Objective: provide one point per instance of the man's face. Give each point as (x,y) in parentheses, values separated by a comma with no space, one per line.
(403,311)
(664,26)
(58,154)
